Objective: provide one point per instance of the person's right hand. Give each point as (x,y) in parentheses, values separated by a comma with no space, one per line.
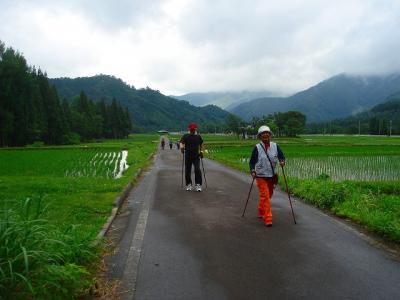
(253,174)
(182,150)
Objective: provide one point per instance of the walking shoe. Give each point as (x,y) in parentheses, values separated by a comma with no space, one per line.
(268,224)
(189,187)
(198,188)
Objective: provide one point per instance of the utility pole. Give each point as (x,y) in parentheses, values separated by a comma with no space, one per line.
(390,128)
(379,127)
(359,128)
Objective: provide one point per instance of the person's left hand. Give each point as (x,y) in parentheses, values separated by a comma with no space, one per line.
(201,154)
(282,163)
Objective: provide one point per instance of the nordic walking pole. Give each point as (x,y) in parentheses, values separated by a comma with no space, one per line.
(204,172)
(287,190)
(248,197)
(183,162)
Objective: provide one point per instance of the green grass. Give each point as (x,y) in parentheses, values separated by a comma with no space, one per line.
(354,177)
(78,194)
(375,205)
(38,259)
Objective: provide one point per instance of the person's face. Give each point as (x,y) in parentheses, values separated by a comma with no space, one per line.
(265,136)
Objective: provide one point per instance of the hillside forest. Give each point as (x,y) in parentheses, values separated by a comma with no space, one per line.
(31,111)
(382,119)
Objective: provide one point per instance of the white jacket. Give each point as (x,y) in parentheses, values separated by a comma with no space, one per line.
(263,166)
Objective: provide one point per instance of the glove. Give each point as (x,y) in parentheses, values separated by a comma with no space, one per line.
(201,154)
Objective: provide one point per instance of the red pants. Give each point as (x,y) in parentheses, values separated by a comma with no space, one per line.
(265,190)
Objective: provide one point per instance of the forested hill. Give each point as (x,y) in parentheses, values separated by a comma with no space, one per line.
(31,112)
(149,109)
(382,119)
(336,97)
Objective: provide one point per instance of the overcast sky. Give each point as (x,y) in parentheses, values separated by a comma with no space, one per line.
(181,46)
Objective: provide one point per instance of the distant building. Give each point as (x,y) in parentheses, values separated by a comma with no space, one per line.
(163,131)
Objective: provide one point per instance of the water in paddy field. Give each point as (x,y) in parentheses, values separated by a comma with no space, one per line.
(100,164)
(122,164)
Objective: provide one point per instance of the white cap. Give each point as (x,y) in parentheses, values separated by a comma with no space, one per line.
(264,129)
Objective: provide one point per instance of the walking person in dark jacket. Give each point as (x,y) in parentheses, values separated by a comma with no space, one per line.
(263,162)
(191,144)
(162,143)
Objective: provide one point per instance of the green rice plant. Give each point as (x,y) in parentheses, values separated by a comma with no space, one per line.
(82,162)
(368,168)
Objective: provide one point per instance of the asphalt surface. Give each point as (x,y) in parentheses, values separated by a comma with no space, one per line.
(174,244)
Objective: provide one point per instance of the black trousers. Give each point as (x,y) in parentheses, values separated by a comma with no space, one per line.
(195,160)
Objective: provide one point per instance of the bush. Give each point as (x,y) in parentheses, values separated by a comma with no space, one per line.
(36,144)
(73,139)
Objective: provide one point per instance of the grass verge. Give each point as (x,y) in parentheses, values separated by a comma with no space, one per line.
(39,260)
(374,205)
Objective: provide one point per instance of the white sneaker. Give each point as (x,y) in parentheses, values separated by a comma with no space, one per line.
(198,188)
(189,187)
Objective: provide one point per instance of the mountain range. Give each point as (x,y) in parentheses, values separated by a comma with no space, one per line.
(225,100)
(336,97)
(149,109)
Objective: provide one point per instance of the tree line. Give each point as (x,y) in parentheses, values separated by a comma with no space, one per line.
(383,119)
(31,111)
(289,124)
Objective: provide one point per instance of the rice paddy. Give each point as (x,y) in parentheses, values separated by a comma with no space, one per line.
(310,158)
(95,162)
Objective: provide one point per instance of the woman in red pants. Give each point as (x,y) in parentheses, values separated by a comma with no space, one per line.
(263,161)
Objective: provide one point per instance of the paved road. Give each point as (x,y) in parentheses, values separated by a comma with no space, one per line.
(174,244)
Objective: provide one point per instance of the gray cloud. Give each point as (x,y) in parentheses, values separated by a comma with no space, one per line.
(108,15)
(119,14)
(185,46)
